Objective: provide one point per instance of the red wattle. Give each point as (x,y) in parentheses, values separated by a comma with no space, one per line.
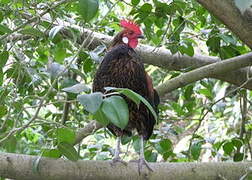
(133,43)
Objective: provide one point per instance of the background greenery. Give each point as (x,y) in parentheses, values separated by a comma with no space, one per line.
(43,57)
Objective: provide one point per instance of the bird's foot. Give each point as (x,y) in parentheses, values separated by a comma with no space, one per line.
(142,162)
(118,160)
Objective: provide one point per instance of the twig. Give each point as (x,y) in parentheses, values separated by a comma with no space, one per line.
(163,36)
(244,110)
(66,110)
(45,104)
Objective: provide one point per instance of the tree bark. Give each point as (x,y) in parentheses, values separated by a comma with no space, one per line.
(227,12)
(26,167)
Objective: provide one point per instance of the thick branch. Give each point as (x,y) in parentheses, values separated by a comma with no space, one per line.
(87,130)
(221,67)
(16,166)
(229,14)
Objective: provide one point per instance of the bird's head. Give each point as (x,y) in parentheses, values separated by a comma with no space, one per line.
(130,33)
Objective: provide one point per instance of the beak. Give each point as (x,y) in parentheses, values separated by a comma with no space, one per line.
(140,36)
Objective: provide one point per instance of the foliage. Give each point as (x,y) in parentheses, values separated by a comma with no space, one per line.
(46,71)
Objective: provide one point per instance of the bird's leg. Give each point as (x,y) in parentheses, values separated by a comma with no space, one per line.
(117,149)
(116,157)
(142,160)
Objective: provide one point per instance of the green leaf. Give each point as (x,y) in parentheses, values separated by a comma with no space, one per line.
(10,144)
(88,65)
(1,16)
(60,53)
(135,2)
(195,150)
(4,29)
(88,9)
(168,154)
(136,143)
(206,92)
(228,148)
(55,69)
(173,48)
(159,149)
(5,1)
(238,157)
(68,151)
(1,77)
(146,8)
(91,102)
(32,32)
(77,88)
(96,53)
(78,72)
(67,82)
(187,49)
(227,39)
(150,156)
(3,110)
(125,139)
(177,108)
(188,92)
(116,110)
(134,97)
(166,144)
(65,135)
(4,56)
(51,153)
(127,92)
(213,44)
(100,117)
(237,143)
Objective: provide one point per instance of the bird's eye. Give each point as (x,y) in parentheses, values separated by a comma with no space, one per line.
(130,32)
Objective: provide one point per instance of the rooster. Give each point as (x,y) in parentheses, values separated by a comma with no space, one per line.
(123,68)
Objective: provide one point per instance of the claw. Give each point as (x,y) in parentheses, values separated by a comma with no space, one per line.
(140,165)
(118,160)
(141,162)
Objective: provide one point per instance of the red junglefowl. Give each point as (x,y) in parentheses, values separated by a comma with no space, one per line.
(123,68)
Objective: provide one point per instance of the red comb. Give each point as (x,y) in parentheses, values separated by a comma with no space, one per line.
(130,25)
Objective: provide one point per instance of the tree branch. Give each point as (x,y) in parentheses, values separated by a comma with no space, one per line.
(87,130)
(229,14)
(206,71)
(16,166)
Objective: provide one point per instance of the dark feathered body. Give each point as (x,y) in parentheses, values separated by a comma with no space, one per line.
(122,68)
